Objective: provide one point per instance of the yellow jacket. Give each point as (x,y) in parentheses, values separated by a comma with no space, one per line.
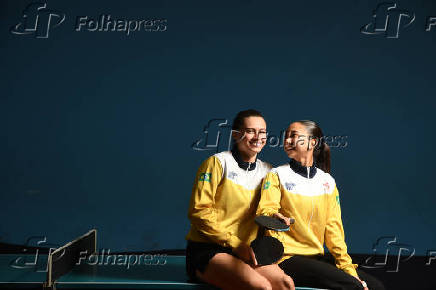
(224,201)
(312,199)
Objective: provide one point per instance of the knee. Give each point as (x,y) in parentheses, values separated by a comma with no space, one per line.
(279,279)
(288,283)
(261,284)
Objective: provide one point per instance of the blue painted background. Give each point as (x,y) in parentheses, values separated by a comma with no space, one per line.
(97,127)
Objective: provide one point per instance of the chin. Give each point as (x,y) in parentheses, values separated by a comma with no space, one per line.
(256,150)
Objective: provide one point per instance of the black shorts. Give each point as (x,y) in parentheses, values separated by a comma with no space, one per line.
(198,256)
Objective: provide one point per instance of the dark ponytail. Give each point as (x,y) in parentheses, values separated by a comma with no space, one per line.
(322,156)
(321,152)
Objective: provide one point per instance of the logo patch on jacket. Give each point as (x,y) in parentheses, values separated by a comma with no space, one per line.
(326,187)
(266,185)
(232,175)
(337,200)
(289,186)
(205,177)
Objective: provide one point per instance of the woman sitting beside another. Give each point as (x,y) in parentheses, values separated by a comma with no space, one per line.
(222,210)
(304,190)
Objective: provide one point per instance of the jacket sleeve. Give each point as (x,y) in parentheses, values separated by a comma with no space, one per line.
(270,197)
(335,237)
(202,211)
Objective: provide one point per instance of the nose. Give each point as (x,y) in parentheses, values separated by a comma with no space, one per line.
(288,141)
(255,138)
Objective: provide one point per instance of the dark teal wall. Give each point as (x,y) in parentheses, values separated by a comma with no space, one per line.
(97,127)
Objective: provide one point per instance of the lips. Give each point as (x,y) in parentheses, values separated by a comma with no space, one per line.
(256,144)
(289,148)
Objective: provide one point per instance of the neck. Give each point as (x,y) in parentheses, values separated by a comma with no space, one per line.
(302,169)
(244,160)
(247,157)
(305,160)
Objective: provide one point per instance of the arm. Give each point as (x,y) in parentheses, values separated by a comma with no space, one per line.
(202,211)
(270,197)
(335,237)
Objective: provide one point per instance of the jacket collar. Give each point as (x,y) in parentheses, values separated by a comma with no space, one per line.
(241,163)
(302,170)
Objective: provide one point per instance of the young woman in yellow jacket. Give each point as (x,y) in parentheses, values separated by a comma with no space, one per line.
(304,190)
(222,210)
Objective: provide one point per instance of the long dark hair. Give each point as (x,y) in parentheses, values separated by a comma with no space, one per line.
(321,152)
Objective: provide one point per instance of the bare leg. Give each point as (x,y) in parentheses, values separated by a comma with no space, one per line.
(276,276)
(228,272)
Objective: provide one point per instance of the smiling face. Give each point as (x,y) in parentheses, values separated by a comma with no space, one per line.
(251,138)
(298,144)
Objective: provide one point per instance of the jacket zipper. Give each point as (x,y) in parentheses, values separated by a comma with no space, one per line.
(311,198)
(246,175)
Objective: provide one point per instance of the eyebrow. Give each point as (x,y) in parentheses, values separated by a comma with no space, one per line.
(294,131)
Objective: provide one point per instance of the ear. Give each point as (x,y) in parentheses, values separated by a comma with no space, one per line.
(311,144)
(237,135)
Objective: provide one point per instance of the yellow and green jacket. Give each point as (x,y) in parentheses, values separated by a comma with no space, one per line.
(310,196)
(224,200)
